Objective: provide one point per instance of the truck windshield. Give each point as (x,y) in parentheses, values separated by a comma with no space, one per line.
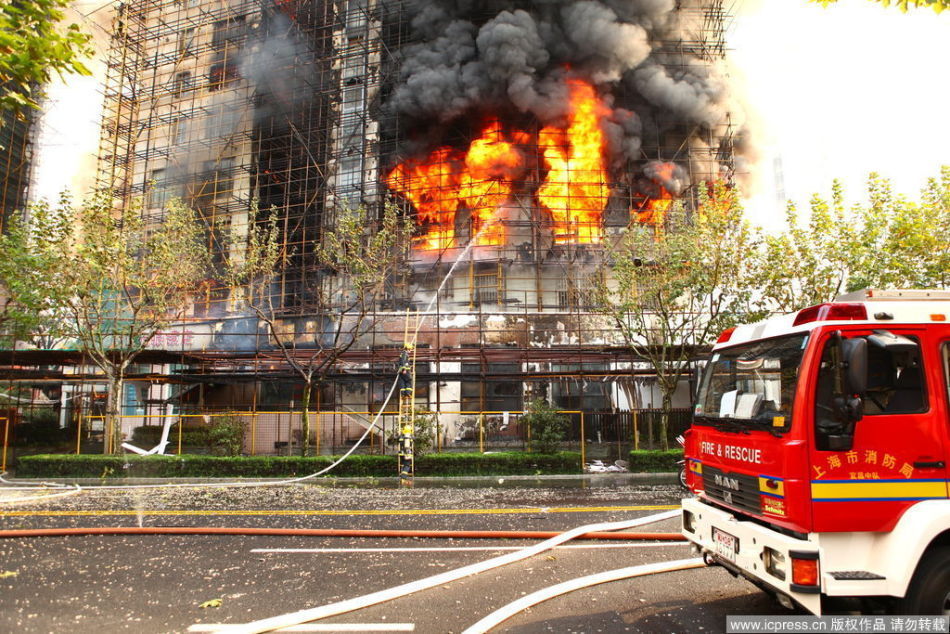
(751,385)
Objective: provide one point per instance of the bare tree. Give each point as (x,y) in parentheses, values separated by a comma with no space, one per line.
(354,261)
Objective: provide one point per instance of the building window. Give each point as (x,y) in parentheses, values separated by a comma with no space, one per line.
(356,17)
(228,33)
(182,83)
(222,122)
(580,394)
(351,173)
(186,42)
(220,176)
(488,287)
(354,99)
(579,292)
(504,394)
(179,132)
(159,188)
(354,67)
(221,73)
(132,403)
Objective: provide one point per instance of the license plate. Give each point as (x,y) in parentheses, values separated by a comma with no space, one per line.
(726,545)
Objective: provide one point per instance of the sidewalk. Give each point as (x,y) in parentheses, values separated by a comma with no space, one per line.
(598,480)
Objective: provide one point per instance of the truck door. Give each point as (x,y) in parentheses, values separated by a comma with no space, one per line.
(897,453)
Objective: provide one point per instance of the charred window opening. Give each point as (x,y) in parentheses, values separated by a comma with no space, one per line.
(500,394)
(229,32)
(222,73)
(578,393)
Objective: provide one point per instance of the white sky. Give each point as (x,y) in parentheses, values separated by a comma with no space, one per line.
(836,92)
(840,92)
(68,132)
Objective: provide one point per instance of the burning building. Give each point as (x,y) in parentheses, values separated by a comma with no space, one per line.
(521,136)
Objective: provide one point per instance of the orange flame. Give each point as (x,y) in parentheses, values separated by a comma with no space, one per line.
(575,190)
(432,186)
(490,166)
(480,179)
(655,209)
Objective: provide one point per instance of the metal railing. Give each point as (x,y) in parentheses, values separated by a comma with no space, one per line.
(280,432)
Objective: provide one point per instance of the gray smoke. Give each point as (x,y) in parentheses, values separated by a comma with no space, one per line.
(279,64)
(691,93)
(671,176)
(647,59)
(605,47)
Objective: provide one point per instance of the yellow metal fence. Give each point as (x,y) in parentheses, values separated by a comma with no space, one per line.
(331,432)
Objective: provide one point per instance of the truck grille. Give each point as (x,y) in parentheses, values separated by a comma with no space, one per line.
(736,490)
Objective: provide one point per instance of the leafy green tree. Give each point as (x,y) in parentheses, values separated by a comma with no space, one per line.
(937,5)
(899,243)
(226,436)
(889,242)
(33,47)
(546,426)
(355,260)
(25,312)
(807,264)
(107,280)
(672,291)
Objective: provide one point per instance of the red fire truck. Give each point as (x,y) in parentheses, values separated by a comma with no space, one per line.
(818,453)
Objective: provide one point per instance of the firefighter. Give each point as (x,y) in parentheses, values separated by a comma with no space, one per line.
(404,373)
(405,451)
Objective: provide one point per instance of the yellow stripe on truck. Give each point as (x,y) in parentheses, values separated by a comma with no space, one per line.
(872,490)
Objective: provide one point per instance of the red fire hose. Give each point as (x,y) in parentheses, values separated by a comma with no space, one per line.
(321,532)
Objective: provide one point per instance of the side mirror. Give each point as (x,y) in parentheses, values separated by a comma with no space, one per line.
(855,356)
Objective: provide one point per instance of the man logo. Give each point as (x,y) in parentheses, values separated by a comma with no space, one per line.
(727,483)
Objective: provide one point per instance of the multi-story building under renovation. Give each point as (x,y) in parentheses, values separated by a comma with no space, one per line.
(520,136)
(16,151)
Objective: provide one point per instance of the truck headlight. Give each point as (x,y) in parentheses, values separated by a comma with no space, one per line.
(774,563)
(689,522)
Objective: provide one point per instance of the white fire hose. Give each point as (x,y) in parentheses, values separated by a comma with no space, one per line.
(349,605)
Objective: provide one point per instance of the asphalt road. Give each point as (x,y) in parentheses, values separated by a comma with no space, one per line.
(153,583)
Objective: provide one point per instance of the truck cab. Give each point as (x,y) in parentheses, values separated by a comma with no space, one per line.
(818,453)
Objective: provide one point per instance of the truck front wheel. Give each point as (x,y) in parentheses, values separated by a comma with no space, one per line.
(929,590)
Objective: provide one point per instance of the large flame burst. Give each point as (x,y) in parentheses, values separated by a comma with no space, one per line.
(575,190)
(482,178)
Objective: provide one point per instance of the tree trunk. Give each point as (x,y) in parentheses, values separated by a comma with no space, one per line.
(112,432)
(305,420)
(665,420)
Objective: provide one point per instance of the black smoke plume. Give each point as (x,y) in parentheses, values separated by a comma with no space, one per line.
(650,60)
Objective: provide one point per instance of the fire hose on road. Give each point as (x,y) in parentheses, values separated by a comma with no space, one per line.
(349,605)
(550,592)
(325,532)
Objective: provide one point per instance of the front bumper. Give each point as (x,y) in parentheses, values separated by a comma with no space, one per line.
(750,558)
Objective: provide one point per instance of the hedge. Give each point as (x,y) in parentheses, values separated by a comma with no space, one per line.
(202,466)
(655,461)
(148,436)
(222,437)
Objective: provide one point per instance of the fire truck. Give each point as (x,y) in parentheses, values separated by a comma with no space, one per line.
(818,453)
